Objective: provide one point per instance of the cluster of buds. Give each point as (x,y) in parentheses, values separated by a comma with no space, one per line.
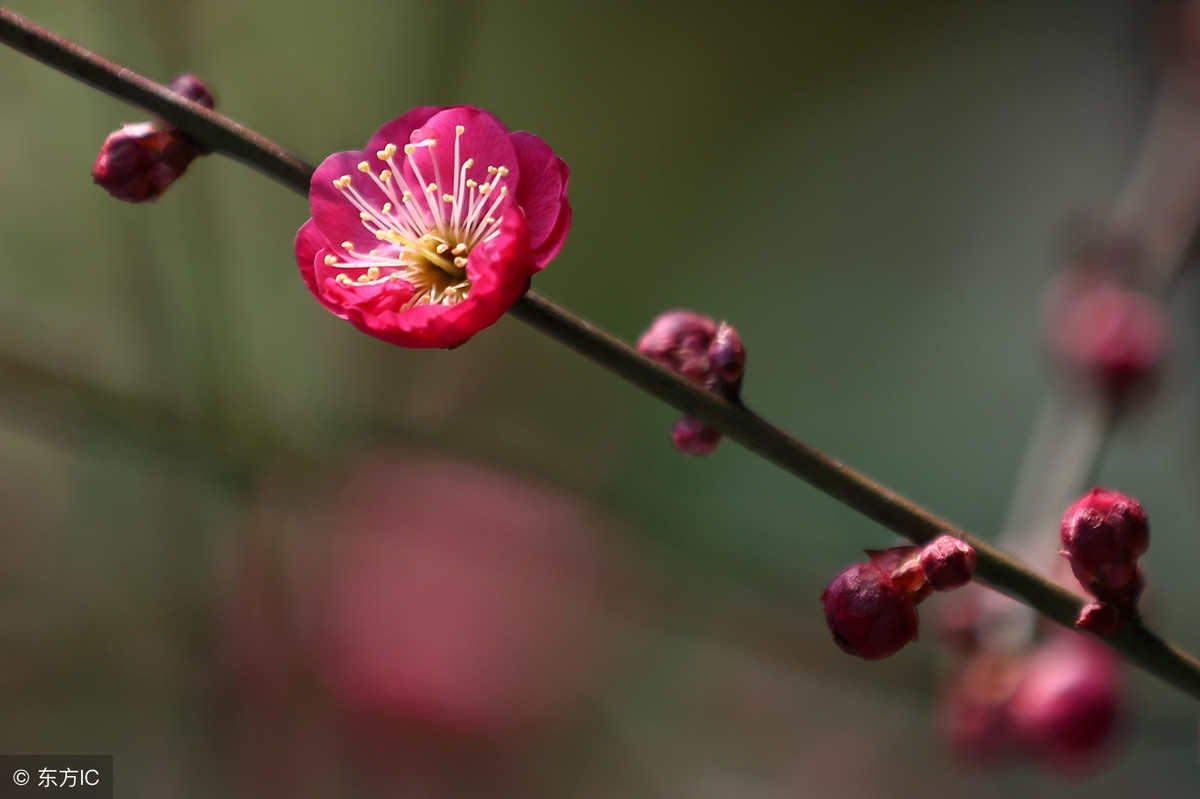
(138,162)
(1060,703)
(1103,535)
(871,607)
(704,352)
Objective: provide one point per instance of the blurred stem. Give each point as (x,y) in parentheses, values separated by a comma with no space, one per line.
(1138,644)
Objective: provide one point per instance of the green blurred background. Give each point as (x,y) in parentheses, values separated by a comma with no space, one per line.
(873,192)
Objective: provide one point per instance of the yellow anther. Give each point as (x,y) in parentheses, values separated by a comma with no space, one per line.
(459,130)
(363,166)
(373,273)
(387,152)
(387,208)
(448,198)
(443,248)
(342,182)
(330,260)
(431,187)
(489,220)
(393,237)
(460,262)
(343,279)
(409,149)
(460,248)
(502,171)
(385,175)
(406,196)
(347,245)
(485,188)
(382,234)
(364,216)
(363,278)
(471,184)
(492,170)
(373,252)
(470,162)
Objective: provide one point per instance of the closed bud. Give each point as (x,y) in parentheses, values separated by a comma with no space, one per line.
(693,437)
(129,166)
(948,562)
(1103,534)
(868,613)
(679,340)
(192,88)
(726,361)
(1070,702)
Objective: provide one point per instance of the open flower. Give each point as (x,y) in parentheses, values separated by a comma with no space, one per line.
(432,232)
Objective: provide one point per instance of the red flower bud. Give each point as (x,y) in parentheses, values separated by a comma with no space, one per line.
(679,340)
(130,167)
(192,88)
(726,361)
(1109,338)
(1102,536)
(693,437)
(1069,703)
(869,614)
(948,562)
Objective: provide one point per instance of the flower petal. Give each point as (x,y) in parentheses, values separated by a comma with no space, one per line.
(333,210)
(399,130)
(542,194)
(484,138)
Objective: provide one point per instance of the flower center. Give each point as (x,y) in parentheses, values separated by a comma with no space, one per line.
(426,234)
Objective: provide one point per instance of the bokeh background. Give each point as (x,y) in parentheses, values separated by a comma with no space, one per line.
(252,552)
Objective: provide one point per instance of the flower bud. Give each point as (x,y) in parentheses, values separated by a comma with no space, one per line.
(948,562)
(726,361)
(679,340)
(869,614)
(693,437)
(129,166)
(1109,338)
(1069,703)
(138,162)
(194,89)
(1102,536)
(711,355)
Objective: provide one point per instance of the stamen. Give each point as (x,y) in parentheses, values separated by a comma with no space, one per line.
(330,260)
(363,166)
(347,245)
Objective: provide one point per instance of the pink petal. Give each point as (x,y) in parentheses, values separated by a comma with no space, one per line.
(399,130)
(484,138)
(543,196)
(334,214)
(308,243)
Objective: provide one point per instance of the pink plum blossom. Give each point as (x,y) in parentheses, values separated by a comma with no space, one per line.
(429,234)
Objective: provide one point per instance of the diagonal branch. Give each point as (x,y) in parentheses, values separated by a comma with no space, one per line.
(218,133)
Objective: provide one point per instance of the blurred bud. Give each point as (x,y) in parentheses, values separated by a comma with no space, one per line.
(948,562)
(693,437)
(679,340)
(192,88)
(1103,535)
(869,615)
(712,355)
(974,716)
(1069,703)
(726,361)
(1110,339)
